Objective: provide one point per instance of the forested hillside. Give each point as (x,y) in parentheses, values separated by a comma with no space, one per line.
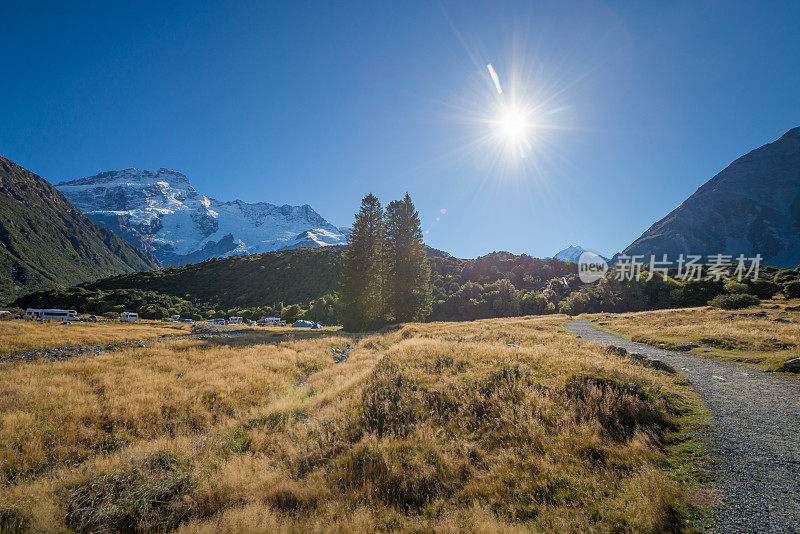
(45,242)
(305,282)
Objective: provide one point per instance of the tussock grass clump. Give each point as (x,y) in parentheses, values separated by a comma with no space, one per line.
(401,474)
(620,407)
(13,520)
(143,498)
(389,404)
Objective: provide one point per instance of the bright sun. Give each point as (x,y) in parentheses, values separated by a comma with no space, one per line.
(513,124)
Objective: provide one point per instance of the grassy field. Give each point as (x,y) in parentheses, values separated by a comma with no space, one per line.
(738,335)
(21,336)
(431,427)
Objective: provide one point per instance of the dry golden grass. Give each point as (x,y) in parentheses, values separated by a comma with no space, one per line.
(430,427)
(22,336)
(766,342)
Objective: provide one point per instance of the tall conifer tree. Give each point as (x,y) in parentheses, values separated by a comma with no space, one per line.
(362,305)
(408,293)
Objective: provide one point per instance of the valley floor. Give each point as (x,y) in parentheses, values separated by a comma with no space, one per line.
(498,425)
(22,336)
(764,336)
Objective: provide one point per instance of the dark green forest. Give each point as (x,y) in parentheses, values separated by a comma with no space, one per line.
(305,283)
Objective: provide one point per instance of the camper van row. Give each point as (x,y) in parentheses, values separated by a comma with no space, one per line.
(131,317)
(72,315)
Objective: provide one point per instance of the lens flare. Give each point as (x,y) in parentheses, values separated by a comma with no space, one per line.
(495,78)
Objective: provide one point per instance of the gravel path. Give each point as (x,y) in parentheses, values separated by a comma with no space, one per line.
(756,435)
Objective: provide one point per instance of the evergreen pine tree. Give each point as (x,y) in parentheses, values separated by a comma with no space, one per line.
(408,292)
(362,306)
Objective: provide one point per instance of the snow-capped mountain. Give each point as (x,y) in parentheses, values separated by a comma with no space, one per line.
(573,252)
(160,211)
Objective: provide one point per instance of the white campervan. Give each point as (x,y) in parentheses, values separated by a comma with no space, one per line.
(235,320)
(128,317)
(51,315)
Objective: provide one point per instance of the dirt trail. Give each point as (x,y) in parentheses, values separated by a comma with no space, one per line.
(756,434)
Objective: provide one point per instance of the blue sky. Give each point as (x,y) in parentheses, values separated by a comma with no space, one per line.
(633,105)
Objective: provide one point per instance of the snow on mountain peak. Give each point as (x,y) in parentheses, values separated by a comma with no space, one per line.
(160,211)
(573,252)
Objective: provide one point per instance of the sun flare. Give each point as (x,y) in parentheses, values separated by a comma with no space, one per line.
(513,124)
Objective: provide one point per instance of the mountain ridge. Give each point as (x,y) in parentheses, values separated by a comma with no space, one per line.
(160,211)
(750,207)
(45,242)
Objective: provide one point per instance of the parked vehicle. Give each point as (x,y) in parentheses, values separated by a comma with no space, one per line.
(220,321)
(128,317)
(235,320)
(270,321)
(92,319)
(51,315)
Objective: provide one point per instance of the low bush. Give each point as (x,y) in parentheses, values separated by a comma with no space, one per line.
(763,289)
(786,275)
(732,287)
(791,289)
(735,301)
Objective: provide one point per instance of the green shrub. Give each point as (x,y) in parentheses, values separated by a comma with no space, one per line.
(786,275)
(791,289)
(732,287)
(734,302)
(763,289)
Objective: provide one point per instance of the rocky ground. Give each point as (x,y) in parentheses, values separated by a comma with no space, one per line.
(77,351)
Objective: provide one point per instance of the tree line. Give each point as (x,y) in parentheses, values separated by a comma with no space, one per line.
(386,276)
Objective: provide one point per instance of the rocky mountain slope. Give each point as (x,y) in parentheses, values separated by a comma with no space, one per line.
(46,243)
(160,211)
(751,207)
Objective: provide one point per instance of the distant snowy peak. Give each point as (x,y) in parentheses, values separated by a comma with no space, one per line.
(160,211)
(131,176)
(573,252)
